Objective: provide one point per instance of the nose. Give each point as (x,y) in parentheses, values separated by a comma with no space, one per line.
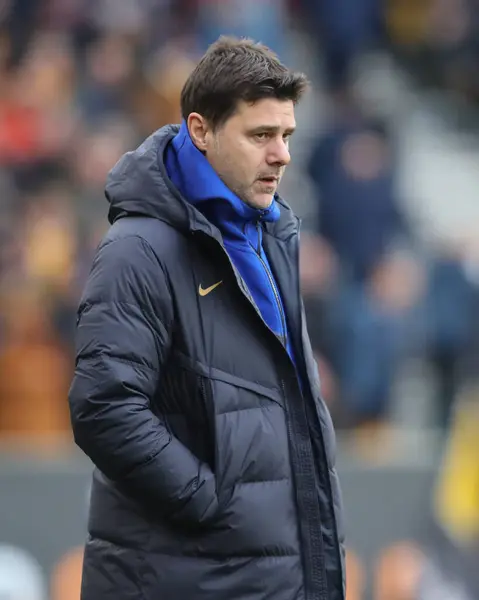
(279,153)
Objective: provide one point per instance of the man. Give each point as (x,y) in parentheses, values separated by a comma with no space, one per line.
(195,393)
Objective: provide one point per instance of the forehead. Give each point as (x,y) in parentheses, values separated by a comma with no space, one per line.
(267,112)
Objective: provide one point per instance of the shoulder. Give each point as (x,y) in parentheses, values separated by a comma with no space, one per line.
(135,236)
(127,269)
(154,232)
(138,253)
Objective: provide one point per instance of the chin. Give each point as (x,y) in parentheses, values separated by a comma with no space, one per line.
(261,201)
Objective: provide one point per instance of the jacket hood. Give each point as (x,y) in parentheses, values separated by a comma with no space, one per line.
(139,185)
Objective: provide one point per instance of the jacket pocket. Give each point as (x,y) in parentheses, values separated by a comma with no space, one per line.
(186,411)
(250,435)
(243,422)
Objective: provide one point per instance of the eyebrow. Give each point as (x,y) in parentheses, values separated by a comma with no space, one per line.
(272,129)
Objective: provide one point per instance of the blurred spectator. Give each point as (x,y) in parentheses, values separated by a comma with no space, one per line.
(19,19)
(107,74)
(398,572)
(67,574)
(342,30)
(376,283)
(438,41)
(356,576)
(35,370)
(452,41)
(449,313)
(243,18)
(353,168)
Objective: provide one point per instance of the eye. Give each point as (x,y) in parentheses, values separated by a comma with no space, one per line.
(261,136)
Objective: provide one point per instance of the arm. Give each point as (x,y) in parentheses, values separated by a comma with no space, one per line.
(123,337)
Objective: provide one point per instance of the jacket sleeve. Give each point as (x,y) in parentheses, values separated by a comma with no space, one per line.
(122,340)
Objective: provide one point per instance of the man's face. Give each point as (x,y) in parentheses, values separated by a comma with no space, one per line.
(250,151)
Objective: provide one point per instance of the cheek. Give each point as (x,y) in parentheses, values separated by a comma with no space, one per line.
(251,163)
(241,164)
(238,162)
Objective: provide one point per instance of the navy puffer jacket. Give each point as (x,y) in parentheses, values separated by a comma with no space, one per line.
(214,473)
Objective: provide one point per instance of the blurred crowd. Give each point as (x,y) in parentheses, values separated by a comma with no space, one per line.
(375,294)
(439,42)
(83,81)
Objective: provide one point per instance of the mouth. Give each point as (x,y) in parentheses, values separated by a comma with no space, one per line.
(271,180)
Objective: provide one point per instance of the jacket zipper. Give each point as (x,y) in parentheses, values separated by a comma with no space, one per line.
(327,478)
(273,287)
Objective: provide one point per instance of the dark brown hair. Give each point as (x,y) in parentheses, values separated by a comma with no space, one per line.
(236,69)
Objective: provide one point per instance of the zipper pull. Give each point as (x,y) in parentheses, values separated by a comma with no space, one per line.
(258,229)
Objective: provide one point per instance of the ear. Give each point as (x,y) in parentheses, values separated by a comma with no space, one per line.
(198,129)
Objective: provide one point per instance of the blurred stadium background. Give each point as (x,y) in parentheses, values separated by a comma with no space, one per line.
(386,178)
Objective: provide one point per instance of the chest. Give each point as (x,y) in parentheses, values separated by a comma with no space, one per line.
(218,323)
